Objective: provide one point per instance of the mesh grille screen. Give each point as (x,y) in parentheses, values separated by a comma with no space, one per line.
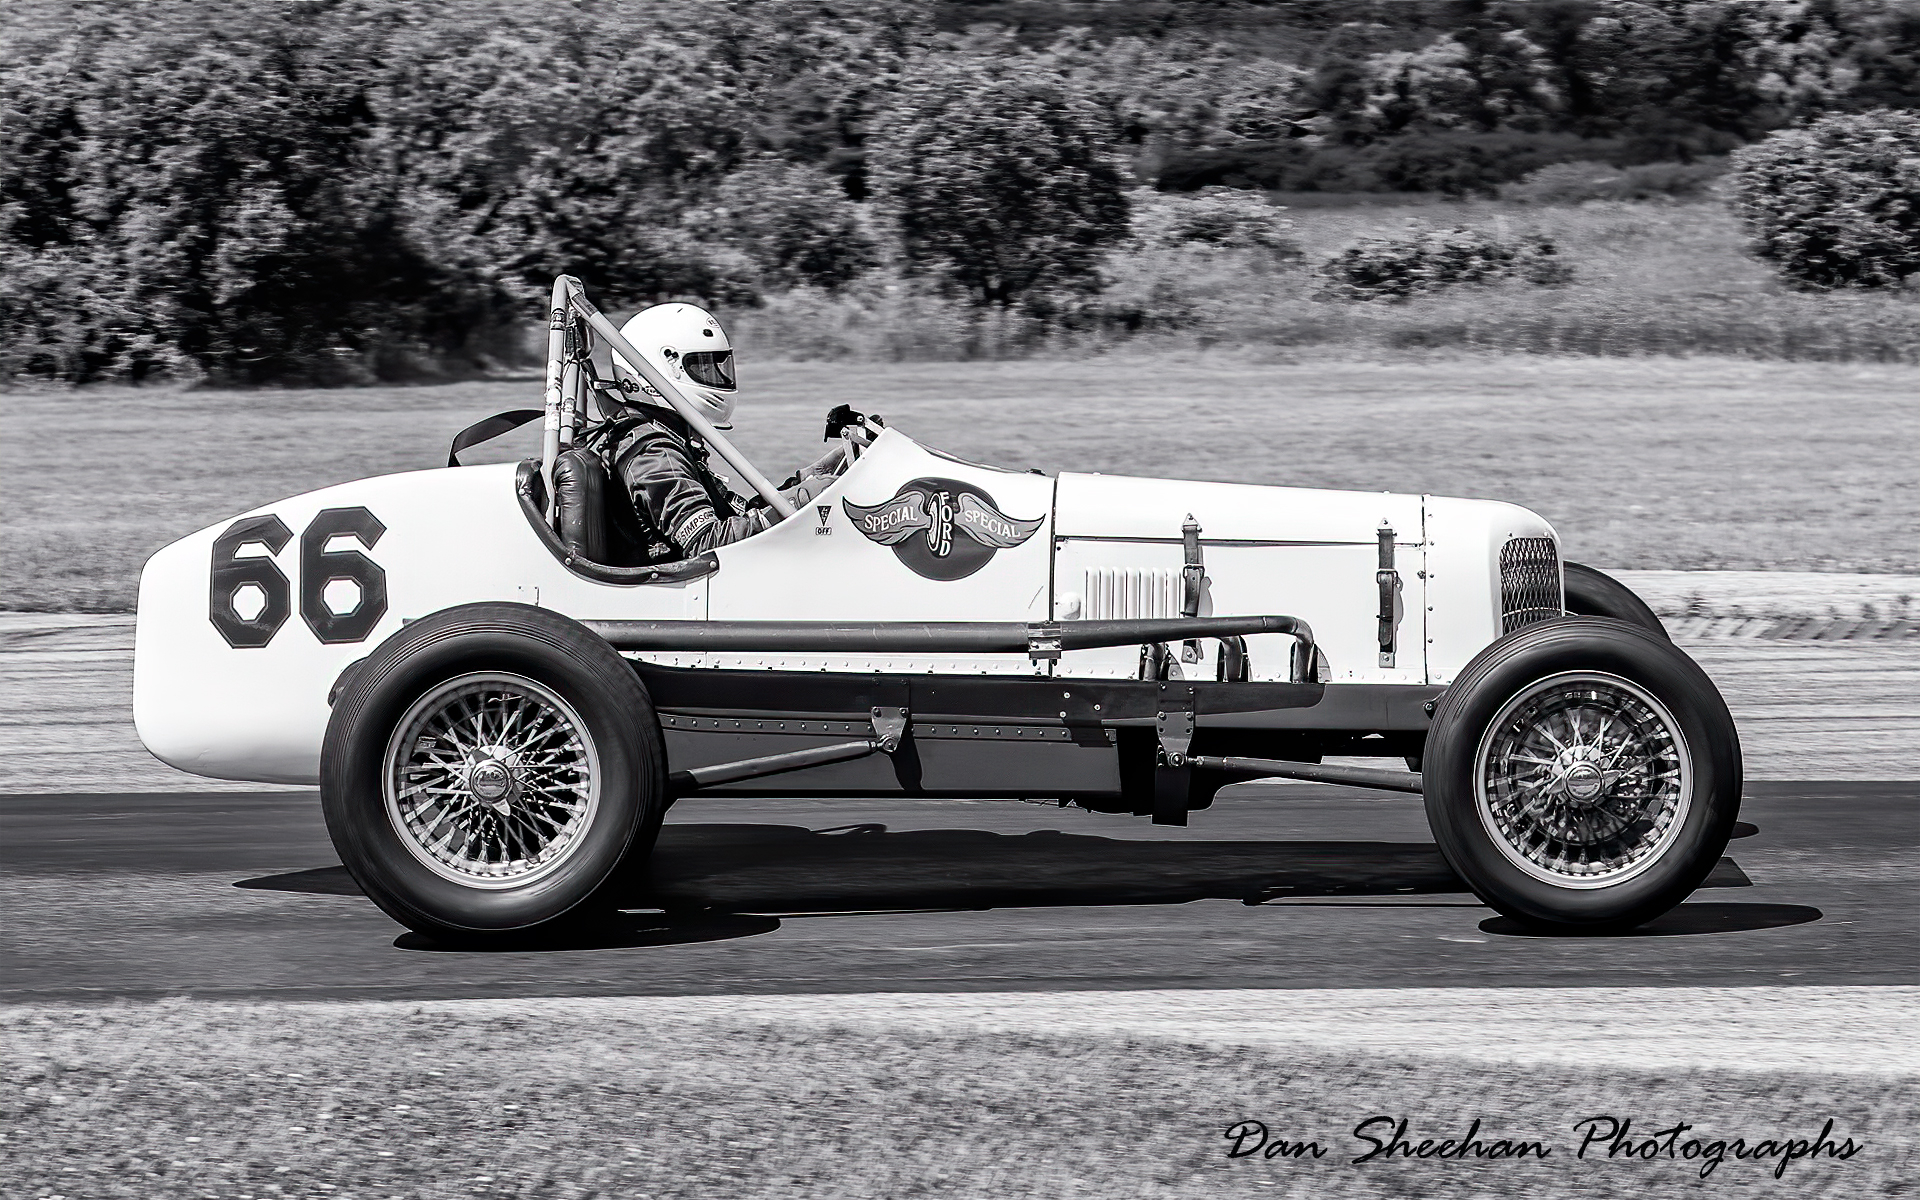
(1529,583)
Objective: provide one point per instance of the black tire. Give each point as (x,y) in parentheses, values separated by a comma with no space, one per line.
(1503,848)
(530,665)
(1592,593)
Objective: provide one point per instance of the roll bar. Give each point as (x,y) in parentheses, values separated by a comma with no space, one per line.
(566,385)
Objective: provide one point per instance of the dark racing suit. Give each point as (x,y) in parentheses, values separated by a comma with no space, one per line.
(683,507)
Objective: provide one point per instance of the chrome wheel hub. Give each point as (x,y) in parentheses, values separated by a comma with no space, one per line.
(491,780)
(1583,780)
(491,777)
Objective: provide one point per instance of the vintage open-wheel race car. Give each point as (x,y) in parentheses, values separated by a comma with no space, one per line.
(498,720)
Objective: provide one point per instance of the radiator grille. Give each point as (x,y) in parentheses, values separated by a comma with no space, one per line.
(1118,595)
(1529,583)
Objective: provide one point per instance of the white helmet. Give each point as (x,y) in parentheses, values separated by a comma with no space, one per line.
(685,343)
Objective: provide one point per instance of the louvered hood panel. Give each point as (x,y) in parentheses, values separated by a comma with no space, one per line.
(1300,551)
(1117,594)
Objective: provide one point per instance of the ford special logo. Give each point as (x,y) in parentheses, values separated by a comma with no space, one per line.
(941,528)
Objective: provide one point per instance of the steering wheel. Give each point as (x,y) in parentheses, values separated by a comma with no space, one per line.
(855,430)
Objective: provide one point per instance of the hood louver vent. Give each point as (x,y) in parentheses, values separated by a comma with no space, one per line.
(1119,595)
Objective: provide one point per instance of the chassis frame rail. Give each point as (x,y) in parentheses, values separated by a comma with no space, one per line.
(1249,769)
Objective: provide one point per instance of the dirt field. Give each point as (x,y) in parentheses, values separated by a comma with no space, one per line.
(1640,463)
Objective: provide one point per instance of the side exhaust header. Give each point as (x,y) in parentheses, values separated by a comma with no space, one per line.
(1039,641)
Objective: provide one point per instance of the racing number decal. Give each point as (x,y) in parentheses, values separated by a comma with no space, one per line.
(262,583)
(319,567)
(256,574)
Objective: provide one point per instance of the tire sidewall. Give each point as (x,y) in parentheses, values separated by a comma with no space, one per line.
(548,649)
(1593,593)
(1582,644)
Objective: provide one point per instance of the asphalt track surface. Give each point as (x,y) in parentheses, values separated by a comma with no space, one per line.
(1277,886)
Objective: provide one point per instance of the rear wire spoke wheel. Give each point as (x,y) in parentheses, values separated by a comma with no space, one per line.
(491,780)
(1582,774)
(493,773)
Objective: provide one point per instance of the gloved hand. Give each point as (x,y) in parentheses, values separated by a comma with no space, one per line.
(829,464)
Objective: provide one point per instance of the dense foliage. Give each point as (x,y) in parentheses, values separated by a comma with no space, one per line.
(335,189)
(331,190)
(1426,260)
(1578,182)
(1460,97)
(994,172)
(175,195)
(1836,204)
(1217,218)
(794,224)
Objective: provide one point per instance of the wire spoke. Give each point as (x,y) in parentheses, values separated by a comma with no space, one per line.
(1582,778)
(492,780)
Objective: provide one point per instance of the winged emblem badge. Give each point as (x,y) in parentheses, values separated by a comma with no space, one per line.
(941,528)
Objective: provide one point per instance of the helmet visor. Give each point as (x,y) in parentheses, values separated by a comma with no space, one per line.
(709,367)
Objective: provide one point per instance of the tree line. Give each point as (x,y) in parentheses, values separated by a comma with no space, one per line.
(262,190)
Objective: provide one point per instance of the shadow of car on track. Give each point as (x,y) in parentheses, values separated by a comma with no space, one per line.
(718,881)
(615,931)
(1686,919)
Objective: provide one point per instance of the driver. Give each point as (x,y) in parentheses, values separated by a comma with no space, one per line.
(684,507)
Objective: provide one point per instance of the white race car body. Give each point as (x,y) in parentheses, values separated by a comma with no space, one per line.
(499,692)
(244,628)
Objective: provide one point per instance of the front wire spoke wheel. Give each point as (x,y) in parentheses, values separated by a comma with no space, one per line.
(1583,780)
(491,780)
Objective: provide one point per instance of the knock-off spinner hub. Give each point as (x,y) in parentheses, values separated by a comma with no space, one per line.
(1583,783)
(491,780)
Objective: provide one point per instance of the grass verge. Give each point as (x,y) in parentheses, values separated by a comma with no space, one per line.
(468,1099)
(1679,464)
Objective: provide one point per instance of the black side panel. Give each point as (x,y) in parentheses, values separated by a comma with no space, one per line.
(1357,707)
(978,735)
(927,764)
(969,736)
